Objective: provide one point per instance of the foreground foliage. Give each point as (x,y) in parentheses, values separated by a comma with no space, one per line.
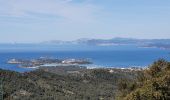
(152,84)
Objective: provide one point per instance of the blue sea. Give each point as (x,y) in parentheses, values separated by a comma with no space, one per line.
(116,56)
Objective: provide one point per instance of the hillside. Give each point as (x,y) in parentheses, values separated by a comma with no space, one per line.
(59,83)
(42,84)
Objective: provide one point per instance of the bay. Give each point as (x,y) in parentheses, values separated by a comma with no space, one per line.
(116,56)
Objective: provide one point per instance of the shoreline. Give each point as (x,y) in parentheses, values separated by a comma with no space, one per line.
(90,67)
(41,62)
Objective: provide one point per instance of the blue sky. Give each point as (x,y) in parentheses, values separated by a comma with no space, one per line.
(43,20)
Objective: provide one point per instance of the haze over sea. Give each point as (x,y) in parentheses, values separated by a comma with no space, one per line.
(36,21)
(120,56)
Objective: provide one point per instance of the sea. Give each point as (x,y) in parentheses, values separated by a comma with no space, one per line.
(104,57)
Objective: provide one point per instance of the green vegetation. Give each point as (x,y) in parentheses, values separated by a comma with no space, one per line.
(92,84)
(151,84)
(63,83)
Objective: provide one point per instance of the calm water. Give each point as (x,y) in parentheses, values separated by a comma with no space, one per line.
(116,57)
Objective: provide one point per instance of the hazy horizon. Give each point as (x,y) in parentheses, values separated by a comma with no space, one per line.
(82,39)
(34,21)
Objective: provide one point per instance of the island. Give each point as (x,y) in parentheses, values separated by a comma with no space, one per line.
(45,62)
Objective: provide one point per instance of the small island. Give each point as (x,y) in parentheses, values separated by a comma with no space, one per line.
(45,62)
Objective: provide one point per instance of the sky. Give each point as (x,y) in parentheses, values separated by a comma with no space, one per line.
(33,21)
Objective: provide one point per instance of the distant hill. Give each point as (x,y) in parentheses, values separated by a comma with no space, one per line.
(87,44)
(113,41)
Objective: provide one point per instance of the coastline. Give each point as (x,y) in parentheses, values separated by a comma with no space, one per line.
(132,68)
